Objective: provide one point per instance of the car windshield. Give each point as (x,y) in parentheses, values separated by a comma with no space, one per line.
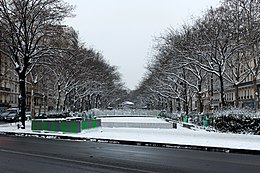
(5,113)
(12,112)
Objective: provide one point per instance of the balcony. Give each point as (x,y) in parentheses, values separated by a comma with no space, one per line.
(5,89)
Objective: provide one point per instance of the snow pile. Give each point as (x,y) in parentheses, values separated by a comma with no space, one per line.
(135,122)
(133,119)
(181,136)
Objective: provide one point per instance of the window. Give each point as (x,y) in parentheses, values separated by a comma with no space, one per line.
(15,99)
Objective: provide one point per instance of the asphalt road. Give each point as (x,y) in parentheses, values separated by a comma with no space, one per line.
(28,154)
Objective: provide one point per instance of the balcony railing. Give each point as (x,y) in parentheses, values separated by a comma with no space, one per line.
(5,89)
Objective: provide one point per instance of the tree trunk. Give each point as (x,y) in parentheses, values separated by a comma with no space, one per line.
(65,102)
(58,99)
(32,103)
(190,104)
(199,103)
(40,109)
(222,96)
(22,98)
(89,102)
(171,107)
(97,99)
(178,104)
(236,96)
(45,104)
(256,94)
(200,109)
(186,106)
(81,104)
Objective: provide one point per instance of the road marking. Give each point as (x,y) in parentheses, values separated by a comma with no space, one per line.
(75,161)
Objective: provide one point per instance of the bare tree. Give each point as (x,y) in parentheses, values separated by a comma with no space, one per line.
(35,77)
(27,25)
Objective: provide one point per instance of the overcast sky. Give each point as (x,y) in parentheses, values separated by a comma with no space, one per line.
(124,30)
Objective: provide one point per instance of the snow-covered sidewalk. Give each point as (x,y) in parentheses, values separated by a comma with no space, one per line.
(179,136)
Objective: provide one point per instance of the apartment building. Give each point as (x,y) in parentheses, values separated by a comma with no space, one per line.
(9,86)
(245,94)
(9,89)
(246,89)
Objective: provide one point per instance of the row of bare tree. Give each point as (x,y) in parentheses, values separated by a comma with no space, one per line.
(50,56)
(219,50)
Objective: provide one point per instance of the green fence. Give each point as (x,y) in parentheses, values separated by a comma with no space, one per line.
(72,126)
(90,123)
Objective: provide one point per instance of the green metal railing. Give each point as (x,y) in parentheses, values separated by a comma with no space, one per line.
(71,126)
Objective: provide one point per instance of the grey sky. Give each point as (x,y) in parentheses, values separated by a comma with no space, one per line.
(123,30)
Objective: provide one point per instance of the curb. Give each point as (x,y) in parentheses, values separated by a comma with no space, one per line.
(137,143)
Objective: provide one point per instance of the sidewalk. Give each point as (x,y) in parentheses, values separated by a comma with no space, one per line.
(179,138)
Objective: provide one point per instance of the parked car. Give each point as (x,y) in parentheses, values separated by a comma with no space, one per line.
(2,115)
(12,116)
(13,110)
(40,116)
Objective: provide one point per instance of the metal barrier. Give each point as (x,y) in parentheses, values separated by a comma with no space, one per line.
(90,123)
(71,126)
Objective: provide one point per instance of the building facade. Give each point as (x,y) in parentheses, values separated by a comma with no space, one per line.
(9,89)
(9,86)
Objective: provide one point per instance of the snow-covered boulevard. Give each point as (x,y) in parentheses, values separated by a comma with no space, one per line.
(181,136)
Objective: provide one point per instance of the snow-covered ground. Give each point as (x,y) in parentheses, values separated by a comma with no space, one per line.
(181,135)
(133,119)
